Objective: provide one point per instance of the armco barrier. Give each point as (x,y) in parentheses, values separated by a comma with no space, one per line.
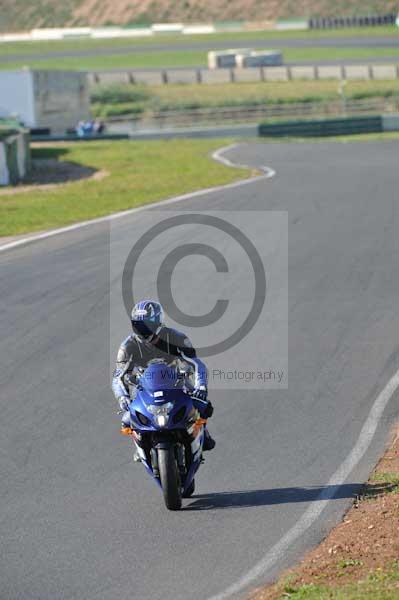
(15,159)
(339,22)
(321,128)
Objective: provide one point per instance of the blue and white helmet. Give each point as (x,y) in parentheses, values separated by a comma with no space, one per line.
(147,319)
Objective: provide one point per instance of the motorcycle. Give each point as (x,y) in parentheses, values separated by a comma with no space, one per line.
(167,430)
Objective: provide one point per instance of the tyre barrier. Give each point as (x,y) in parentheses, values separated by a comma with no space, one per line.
(339,22)
(322,127)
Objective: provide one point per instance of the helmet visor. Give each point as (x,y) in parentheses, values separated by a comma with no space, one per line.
(144,329)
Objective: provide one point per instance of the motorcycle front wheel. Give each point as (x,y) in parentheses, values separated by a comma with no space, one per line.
(190,490)
(170,478)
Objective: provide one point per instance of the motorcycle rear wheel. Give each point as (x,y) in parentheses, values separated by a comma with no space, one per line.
(170,478)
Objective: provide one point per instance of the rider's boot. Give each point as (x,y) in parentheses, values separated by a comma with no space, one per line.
(209,442)
(136,455)
(126,422)
(126,426)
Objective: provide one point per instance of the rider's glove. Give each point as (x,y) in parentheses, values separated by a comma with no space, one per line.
(200,393)
(124,402)
(208,411)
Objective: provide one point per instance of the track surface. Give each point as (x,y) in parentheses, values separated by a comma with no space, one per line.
(330,42)
(78,519)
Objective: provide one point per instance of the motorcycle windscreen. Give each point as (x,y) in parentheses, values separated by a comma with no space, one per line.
(159,377)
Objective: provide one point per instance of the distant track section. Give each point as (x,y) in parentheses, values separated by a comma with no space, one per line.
(259,43)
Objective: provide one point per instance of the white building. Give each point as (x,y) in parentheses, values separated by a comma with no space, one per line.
(57,100)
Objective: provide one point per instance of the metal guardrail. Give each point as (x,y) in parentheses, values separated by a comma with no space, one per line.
(254,113)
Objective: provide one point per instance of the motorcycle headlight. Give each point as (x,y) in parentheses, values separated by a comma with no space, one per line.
(162,420)
(162,410)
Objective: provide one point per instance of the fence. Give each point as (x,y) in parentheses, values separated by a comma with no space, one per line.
(252,114)
(250,74)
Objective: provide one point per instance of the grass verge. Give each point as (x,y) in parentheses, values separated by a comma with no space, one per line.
(119,99)
(189,58)
(139,173)
(359,559)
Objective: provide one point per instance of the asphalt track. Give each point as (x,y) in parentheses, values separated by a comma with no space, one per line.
(78,519)
(371,42)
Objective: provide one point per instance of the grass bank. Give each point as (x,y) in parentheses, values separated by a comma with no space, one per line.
(116,99)
(359,559)
(138,173)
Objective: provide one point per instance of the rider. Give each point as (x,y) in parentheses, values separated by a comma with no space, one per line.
(152,339)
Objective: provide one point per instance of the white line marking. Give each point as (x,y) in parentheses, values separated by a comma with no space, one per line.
(217,155)
(311,514)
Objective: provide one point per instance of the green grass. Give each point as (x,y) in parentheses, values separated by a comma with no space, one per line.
(298,54)
(189,58)
(40,47)
(382,483)
(140,173)
(378,586)
(348,563)
(115,61)
(277,91)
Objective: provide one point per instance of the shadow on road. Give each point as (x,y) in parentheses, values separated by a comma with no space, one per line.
(245,499)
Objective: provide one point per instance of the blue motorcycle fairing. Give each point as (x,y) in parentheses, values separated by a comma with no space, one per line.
(158,386)
(159,377)
(177,420)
